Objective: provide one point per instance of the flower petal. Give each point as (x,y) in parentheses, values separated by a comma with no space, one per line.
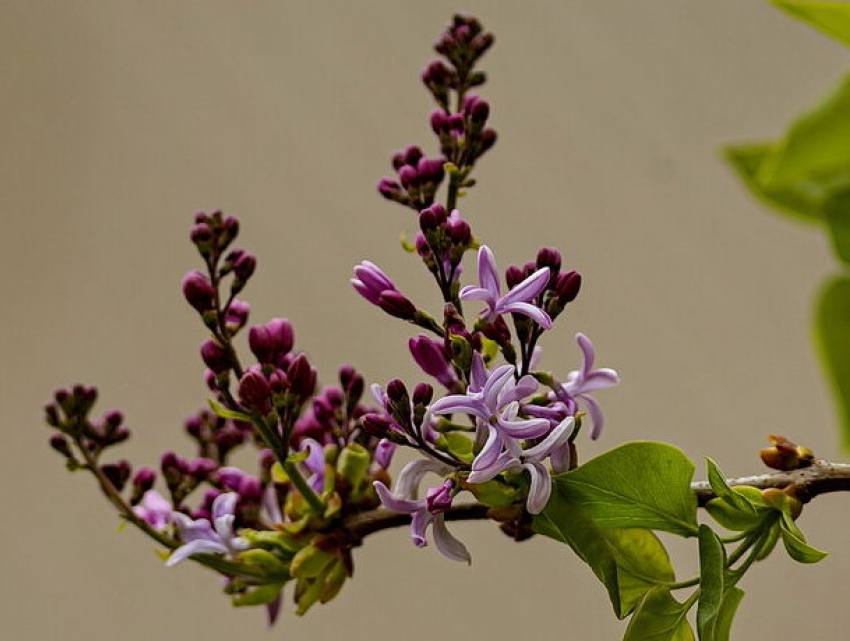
(224,504)
(524,428)
(418,524)
(527,289)
(448,545)
(490,452)
(411,475)
(492,388)
(588,353)
(195,547)
(191,530)
(504,462)
(488,273)
(556,438)
(596,417)
(541,487)
(395,504)
(526,309)
(460,403)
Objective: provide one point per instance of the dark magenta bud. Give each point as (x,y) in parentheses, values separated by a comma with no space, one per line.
(477,109)
(214,356)
(346,375)
(408,176)
(487,139)
(202,236)
(551,258)
(398,160)
(198,291)
(282,335)
(60,444)
(389,188)
(431,169)
(439,121)
(375,424)
(302,378)
(244,267)
(396,304)
(459,232)
(255,392)
(514,276)
(117,473)
(236,315)
(568,286)
(251,490)
(422,394)
(412,154)
(142,482)
(201,468)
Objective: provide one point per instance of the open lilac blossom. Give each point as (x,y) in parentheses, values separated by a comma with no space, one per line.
(516,300)
(155,510)
(202,536)
(494,402)
(315,464)
(531,459)
(584,380)
(427,511)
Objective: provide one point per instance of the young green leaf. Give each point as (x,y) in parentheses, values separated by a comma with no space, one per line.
(837,216)
(629,562)
(712,563)
(728,607)
(640,484)
(801,200)
(833,18)
(260,595)
(721,488)
(832,334)
(795,543)
(660,617)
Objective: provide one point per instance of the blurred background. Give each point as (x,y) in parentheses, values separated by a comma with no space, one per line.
(121,119)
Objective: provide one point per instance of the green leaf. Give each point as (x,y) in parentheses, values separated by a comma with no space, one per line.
(801,200)
(712,563)
(660,618)
(837,216)
(226,413)
(832,335)
(795,543)
(723,624)
(641,484)
(458,444)
(629,562)
(717,480)
(833,18)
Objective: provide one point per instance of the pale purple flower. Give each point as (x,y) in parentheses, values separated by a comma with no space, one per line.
(155,510)
(516,300)
(427,511)
(315,464)
(203,536)
(384,451)
(493,399)
(531,459)
(584,380)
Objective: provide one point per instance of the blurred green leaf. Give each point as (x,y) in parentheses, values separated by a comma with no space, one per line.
(641,484)
(222,411)
(260,595)
(723,625)
(629,562)
(833,18)
(660,617)
(801,200)
(837,216)
(712,564)
(832,334)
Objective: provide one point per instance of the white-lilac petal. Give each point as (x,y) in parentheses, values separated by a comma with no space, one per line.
(488,273)
(396,504)
(194,530)
(559,435)
(411,475)
(527,309)
(223,505)
(448,545)
(199,546)
(541,487)
(527,289)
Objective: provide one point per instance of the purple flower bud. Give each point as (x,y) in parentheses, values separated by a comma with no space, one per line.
(439,499)
(422,394)
(255,392)
(198,291)
(251,490)
(237,315)
(346,375)
(214,356)
(396,304)
(282,335)
(412,154)
(398,160)
(428,221)
(370,281)
(431,169)
(408,176)
(117,473)
(551,258)
(439,121)
(142,482)
(429,355)
(435,73)
(375,424)
(514,276)
(459,232)
(487,139)
(568,286)
(201,468)
(60,444)
(112,419)
(231,478)
(389,189)
(384,451)
(261,343)
(244,267)
(454,123)
(202,236)
(302,378)
(477,109)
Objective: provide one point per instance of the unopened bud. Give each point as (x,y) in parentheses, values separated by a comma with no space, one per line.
(198,291)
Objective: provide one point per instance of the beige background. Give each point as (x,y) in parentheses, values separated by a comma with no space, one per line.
(120,119)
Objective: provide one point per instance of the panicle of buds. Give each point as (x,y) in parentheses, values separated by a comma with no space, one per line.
(417,179)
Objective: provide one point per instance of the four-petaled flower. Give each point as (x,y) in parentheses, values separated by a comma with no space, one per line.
(515,301)
(427,511)
(204,537)
(584,380)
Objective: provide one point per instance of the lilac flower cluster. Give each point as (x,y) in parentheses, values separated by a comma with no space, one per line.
(502,427)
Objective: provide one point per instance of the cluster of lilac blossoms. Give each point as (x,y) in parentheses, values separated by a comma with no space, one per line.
(499,429)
